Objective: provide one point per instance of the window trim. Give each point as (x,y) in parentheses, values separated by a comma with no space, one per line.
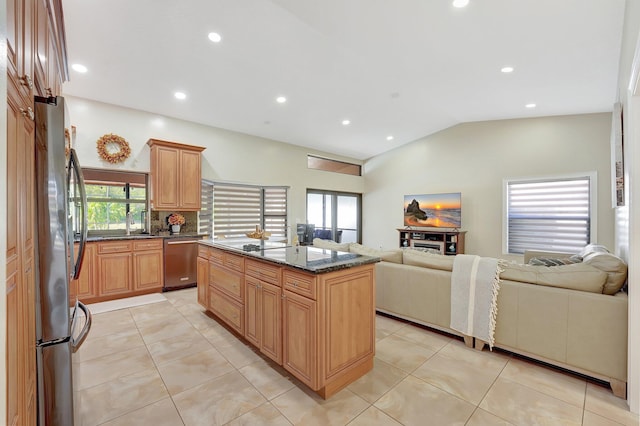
(334,207)
(593,202)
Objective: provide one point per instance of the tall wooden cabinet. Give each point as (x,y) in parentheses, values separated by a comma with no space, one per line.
(33,28)
(175,175)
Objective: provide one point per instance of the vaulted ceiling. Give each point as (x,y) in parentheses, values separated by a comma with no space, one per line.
(397,70)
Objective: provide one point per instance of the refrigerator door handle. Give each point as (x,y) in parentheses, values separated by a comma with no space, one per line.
(74,167)
(76,342)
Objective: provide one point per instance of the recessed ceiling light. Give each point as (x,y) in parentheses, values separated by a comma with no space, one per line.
(389,138)
(180,95)
(530,105)
(79,68)
(346,122)
(215,37)
(506,70)
(460,3)
(281,99)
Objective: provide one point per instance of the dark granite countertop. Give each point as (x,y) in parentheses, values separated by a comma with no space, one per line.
(307,258)
(141,237)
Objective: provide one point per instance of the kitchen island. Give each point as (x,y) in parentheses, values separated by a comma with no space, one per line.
(308,309)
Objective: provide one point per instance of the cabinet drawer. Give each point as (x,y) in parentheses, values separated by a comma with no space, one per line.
(227,309)
(229,282)
(115,247)
(216,256)
(155,244)
(264,272)
(203,251)
(302,284)
(234,261)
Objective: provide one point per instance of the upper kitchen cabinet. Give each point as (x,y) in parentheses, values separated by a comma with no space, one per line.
(175,175)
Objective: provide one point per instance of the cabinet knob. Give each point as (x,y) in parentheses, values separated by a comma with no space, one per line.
(26,80)
(28,112)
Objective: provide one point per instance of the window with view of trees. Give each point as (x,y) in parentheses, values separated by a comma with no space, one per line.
(111,195)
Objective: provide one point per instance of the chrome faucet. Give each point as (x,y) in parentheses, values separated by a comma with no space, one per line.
(128,223)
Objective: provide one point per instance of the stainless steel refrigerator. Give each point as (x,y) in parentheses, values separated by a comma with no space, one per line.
(62,323)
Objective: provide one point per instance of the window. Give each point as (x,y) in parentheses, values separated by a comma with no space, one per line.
(231,210)
(111,195)
(336,166)
(549,214)
(335,215)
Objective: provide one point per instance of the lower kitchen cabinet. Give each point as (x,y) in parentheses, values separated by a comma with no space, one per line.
(85,287)
(319,326)
(115,272)
(229,310)
(299,340)
(120,268)
(148,265)
(263,317)
(203,281)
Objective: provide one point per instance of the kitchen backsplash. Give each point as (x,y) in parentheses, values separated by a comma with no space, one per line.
(159,222)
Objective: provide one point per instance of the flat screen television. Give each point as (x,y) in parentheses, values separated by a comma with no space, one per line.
(433,210)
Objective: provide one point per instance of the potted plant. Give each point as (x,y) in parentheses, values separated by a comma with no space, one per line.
(175,220)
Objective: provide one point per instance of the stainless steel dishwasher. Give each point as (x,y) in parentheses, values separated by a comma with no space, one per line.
(180,262)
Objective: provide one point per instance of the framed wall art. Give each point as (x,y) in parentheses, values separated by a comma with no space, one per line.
(617,157)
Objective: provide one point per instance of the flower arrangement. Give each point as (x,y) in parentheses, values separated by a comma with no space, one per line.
(175,219)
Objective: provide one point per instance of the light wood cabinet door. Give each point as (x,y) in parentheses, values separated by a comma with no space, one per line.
(203,281)
(175,175)
(85,287)
(252,310)
(14,352)
(190,193)
(271,321)
(165,178)
(299,340)
(148,270)
(115,272)
(227,309)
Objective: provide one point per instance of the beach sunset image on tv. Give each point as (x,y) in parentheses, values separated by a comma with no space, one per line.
(433,210)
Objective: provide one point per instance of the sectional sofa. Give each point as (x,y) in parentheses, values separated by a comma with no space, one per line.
(572,315)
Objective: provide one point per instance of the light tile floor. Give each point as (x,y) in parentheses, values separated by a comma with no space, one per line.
(169,363)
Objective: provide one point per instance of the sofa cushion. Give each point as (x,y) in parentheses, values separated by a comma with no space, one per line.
(394,256)
(330,245)
(577,276)
(612,265)
(427,260)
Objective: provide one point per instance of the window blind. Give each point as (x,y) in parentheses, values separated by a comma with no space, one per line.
(275,211)
(205,218)
(232,210)
(548,215)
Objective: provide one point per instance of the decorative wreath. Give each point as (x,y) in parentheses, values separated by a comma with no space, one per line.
(106,145)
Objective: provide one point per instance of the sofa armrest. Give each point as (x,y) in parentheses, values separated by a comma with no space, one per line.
(530,254)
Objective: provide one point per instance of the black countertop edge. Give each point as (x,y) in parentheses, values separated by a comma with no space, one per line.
(321,266)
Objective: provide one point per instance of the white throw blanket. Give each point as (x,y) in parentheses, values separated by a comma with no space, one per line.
(475,282)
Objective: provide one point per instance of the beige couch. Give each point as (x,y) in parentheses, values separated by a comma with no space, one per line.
(572,316)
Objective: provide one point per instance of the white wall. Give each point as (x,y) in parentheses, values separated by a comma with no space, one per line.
(230,156)
(474,158)
(627,219)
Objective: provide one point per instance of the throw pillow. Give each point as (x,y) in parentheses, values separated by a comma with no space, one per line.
(548,261)
(613,266)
